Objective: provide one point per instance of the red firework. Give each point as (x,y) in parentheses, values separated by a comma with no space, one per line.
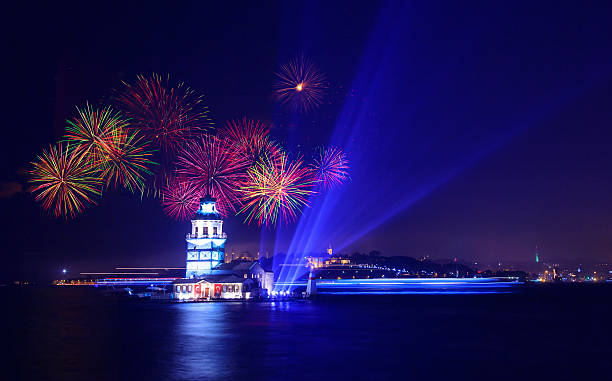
(180,198)
(330,167)
(300,84)
(276,189)
(250,138)
(167,115)
(211,165)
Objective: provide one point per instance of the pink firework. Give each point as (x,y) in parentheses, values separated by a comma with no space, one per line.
(167,115)
(250,138)
(180,198)
(211,165)
(300,85)
(330,167)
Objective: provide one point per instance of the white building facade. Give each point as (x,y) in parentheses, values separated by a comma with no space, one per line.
(206,242)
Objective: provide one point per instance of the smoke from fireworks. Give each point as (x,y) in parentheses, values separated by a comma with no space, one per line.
(250,138)
(276,189)
(180,198)
(330,167)
(212,165)
(165,114)
(300,84)
(65,180)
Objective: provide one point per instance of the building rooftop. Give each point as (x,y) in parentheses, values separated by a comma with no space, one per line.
(207,210)
(187,280)
(217,278)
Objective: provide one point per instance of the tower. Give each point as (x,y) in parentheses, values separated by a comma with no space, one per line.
(311,286)
(537,255)
(206,242)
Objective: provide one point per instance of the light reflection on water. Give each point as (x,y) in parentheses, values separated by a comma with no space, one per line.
(76,334)
(237,340)
(200,337)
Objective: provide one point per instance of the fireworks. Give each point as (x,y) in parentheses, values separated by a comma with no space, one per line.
(180,198)
(127,161)
(95,131)
(300,84)
(65,180)
(212,166)
(330,167)
(166,115)
(119,154)
(276,189)
(250,139)
(242,167)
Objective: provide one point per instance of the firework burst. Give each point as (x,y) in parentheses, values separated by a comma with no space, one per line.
(276,189)
(212,166)
(180,198)
(65,180)
(121,155)
(300,85)
(250,139)
(95,130)
(330,167)
(165,114)
(127,161)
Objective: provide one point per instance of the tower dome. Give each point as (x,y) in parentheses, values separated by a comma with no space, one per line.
(207,210)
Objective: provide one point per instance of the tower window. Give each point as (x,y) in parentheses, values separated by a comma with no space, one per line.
(214,230)
(205,230)
(196,230)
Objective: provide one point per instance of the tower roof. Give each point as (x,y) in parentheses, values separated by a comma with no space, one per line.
(207,210)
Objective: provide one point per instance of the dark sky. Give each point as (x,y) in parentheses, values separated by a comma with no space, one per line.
(477,131)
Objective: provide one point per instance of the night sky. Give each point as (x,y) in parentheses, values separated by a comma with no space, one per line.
(476,131)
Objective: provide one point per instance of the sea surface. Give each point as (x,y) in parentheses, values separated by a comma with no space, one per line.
(560,332)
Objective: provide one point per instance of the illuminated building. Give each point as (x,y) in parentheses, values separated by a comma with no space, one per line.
(235,280)
(316,261)
(338,261)
(230,287)
(537,256)
(244,256)
(264,280)
(207,276)
(206,242)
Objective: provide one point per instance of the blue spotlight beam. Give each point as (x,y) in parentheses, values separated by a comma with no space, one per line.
(407,133)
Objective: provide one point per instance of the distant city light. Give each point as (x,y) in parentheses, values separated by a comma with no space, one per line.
(64,271)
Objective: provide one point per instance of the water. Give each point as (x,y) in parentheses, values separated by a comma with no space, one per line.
(75,333)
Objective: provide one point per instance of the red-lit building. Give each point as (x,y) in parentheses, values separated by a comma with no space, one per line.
(212,287)
(235,280)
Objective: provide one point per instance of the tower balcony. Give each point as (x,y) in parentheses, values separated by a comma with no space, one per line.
(203,236)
